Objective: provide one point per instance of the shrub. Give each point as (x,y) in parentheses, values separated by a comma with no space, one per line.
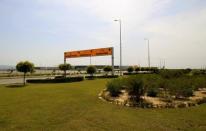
(198,82)
(187,92)
(59,77)
(107,69)
(126,73)
(143,68)
(58,80)
(137,68)
(91,70)
(154,70)
(130,69)
(152,92)
(147,68)
(135,88)
(180,88)
(168,74)
(198,72)
(102,77)
(108,76)
(187,70)
(91,77)
(114,87)
(163,85)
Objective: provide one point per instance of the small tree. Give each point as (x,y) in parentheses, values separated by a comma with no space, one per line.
(187,70)
(107,69)
(147,68)
(154,70)
(25,67)
(130,69)
(143,68)
(65,67)
(91,70)
(137,68)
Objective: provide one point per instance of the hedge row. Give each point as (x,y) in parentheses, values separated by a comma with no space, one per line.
(105,76)
(62,80)
(135,73)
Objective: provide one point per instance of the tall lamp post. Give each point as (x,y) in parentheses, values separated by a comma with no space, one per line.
(120,39)
(148,52)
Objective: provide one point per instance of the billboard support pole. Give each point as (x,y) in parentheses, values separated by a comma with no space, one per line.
(65,70)
(113,61)
(64,61)
(64,58)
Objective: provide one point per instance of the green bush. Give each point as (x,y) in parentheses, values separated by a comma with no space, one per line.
(126,73)
(135,88)
(107,76)
(130,69)
(143,68)
(58,80)
(198,72)
(91,77)
(198,82)
(114,87)
(187,92)
(163,85)
(154,70)
(187,70)
(107,69)
(181,87)
(137,68)
(147,68)
(152,92)
(91,70)
(168,74)
(59,77)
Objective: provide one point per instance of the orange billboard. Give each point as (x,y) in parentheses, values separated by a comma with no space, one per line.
(89,53)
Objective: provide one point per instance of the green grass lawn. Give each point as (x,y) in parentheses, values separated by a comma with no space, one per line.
(75,106)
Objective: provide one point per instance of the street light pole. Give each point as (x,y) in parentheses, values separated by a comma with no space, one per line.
(120,39)
(148,52)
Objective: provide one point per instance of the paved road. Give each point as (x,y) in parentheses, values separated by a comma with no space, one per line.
(16,80)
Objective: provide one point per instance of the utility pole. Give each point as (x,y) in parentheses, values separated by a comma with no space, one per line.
(148,52)
(120,39)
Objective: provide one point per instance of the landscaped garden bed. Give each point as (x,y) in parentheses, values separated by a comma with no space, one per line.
(164,90)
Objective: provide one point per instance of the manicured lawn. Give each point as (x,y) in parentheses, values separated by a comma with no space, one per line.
(75,106)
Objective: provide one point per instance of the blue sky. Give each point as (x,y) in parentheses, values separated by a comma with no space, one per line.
(41,30)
